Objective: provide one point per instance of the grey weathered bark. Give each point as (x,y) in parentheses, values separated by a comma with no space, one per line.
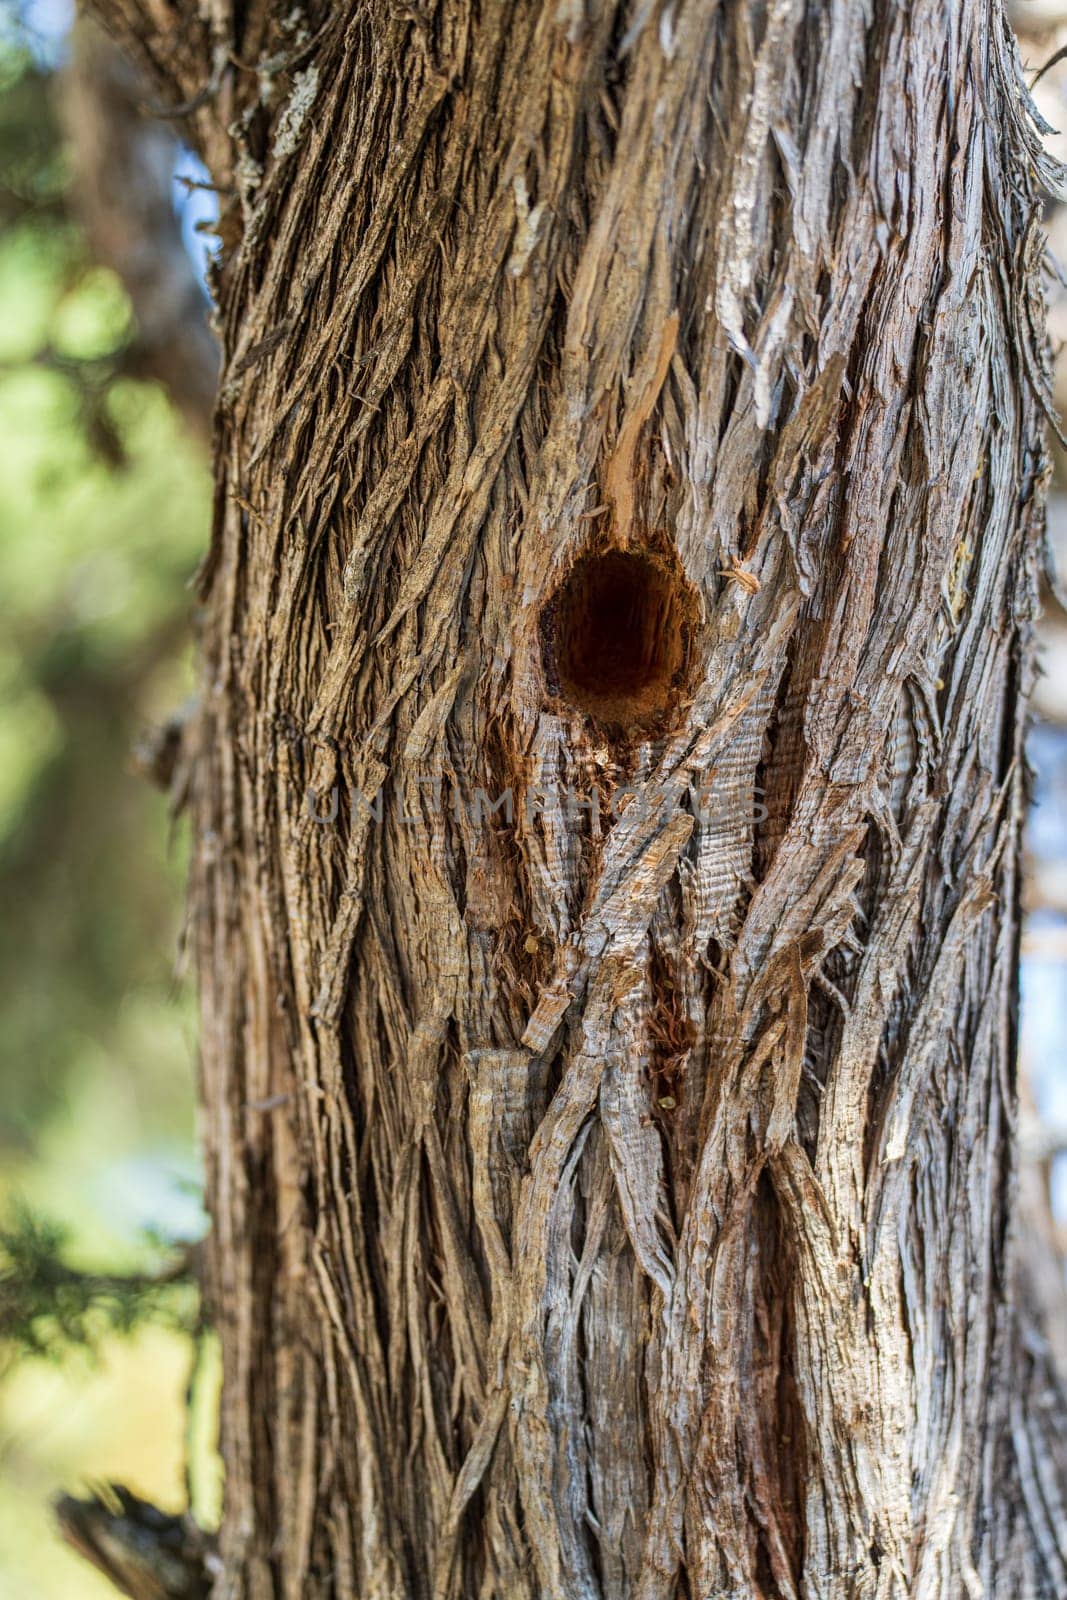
(619,396)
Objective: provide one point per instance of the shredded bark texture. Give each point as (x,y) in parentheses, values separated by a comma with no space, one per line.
(634,410)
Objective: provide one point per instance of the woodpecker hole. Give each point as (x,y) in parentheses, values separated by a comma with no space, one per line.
(616,637)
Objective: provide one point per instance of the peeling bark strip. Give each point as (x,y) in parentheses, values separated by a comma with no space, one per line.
(619,395)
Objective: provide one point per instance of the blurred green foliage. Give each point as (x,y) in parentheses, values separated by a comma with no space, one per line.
(47,1308)
(104,507)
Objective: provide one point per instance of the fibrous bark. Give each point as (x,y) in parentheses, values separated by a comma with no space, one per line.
(631,410)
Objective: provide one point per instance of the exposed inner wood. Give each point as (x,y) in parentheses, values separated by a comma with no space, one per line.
(617,637)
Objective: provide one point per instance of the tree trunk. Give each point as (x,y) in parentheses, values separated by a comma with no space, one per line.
(629,473)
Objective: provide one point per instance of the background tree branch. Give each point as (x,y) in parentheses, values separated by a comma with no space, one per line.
(182,53)
(123,163)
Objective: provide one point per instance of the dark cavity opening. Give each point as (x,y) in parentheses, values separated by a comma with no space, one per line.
(616,637)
